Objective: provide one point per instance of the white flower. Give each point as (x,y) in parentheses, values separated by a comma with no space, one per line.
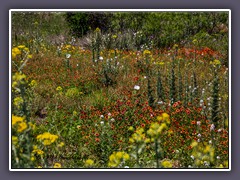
(68,56)
(198,140)
(144,77)
(199,135)
(198,123)
(212,127)
(136,87)
(218,157)
(102,122)
(219,130)
(112,120)
(210,142)
(160,102)
(177,151)
(192,157)
(101,58)
(77,65)
(101,116)
(126,166)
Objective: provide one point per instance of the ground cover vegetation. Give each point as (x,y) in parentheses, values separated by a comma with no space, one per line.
(119,90)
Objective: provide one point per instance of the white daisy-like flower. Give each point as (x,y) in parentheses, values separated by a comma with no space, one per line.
(101,58)
(68,56)
(136,87)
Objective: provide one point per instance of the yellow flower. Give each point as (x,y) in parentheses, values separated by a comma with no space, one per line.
(38,151)
(130,128)
(59,88)
(75,113)
(159,118)
(61,144)
(18,101)
(19,77)
(166,118)
(215,62)
(29,56)
(14,140)
(161,63)
(21,46)
(97,29)
(26,49)
(166,163)
(147,52)
(33,158)
(15,52)
(126,156)
(33,83)
(194,144)
(16,119)
(57,165)
(114,36)
(175,46)
(116,158)
(89,162)
(47,138)
(21,126)
(194,41)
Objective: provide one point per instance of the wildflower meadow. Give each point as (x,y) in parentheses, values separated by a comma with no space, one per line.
(111,90)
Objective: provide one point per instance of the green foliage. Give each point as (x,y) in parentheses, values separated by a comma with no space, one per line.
(81,23)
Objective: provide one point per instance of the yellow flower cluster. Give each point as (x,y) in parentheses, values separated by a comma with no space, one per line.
(19,50)
(138,136)
(33,83)
(19,123)
(203,153)
(57,165)
(18,101)
(14,140)
(68,49)
(18,78)
(160,63)
(156,129)
(164,117)
(117,158)
(47,138)
(215,62)
(147,52)
(166,163)
(15,52)
(89,163)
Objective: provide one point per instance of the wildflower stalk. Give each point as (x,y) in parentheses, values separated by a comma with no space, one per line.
(180,84)
(186,91)
(172,86)
(215,96)
(156,151)
(160,91)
